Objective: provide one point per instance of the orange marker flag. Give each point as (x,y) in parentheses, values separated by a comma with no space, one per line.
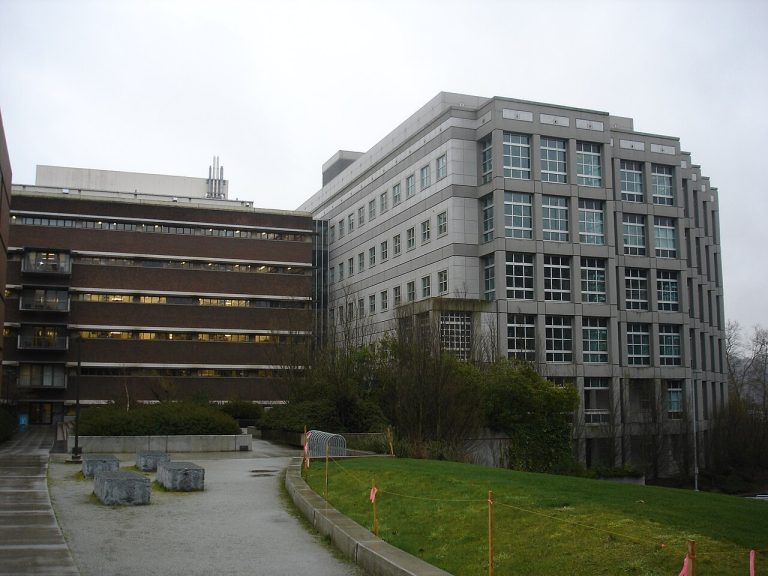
(684,571)
(751,563)
(374,490)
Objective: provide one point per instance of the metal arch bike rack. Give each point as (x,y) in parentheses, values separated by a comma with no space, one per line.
(319,440)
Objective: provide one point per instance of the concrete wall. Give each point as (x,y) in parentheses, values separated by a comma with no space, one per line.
(127,444)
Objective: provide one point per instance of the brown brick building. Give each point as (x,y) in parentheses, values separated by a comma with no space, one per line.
(149,295)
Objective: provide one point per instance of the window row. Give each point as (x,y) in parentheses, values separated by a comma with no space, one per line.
(381,302)
(520,281)
(559,341)
(553,162)
(381,252)
(188,300)
(193,265)
(184,336)
(386,198)
(555,223)
(159,228)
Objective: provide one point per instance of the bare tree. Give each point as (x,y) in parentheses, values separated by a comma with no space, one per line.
(747,364)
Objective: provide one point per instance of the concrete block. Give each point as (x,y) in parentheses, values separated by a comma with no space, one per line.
(94,463)
(181,476)
(122,487)
(147,460)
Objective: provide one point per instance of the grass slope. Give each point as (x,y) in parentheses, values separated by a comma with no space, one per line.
(544,524)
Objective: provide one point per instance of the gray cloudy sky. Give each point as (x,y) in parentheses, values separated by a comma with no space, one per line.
(275,88)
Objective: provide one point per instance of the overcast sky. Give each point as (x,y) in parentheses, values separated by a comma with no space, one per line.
(276,88)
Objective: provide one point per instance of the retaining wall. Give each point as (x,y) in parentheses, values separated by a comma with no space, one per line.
(127,444)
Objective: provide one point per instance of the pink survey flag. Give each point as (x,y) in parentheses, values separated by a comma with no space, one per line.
(751,563)
(684,571)
(373,494)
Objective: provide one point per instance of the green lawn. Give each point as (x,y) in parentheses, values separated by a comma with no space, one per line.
(545,524)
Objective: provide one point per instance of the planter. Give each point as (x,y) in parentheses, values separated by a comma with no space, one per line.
(185,443)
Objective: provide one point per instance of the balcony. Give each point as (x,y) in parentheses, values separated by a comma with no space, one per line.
(44,300)
(49,263)
(43,338)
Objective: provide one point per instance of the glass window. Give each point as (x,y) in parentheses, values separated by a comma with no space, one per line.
(351,223)
(442,167)
(371,209)
(634,234)
(517,156)
(674,399)
(669,345)
(384,250)
(411,290)
(661,185)
(396,195)
(331,234)
(595,340)
(426,286)
(636,288)
(593,283)
(666,240)
(638,344)
(396,244)
(559,339)
(667,290)
(384,300)
(442,223)
(341,271)
(350,267)
(341,228)
(360,216)
(456,333)
(383,202)
(518,215)
(426,176)
(489,277)
(396,297)
(331,275)
(557,278)
(361,262)
(372,256)
(521,336)
(555,218)
(588,168)
(553,160)
(442,282)
(372,304)
(631,181)
(410,238)
(410,186)
(519,276)
(425,231)
(486,159)
(486,211)
(591,222)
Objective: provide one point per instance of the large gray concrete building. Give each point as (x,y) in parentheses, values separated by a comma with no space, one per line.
(560,235)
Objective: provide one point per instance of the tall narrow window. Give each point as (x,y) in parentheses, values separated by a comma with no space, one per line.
(517,156)
(666,239)
(396,244)
(426,233)
(519,276)
(350,267)
(351,223)
(674,399)
(555,218)
(361,262)
(661,185)
(442,167)
(518,215)
(396,296)
(442,223)
(591,222)
(341,228)
(331,234)
(371,209)
(486,215)
(588,167)
(426,286)
(636,288)
(634,234)
(410,186)
(489,277)
(410,238)
(595,340)
(521,336)
(384,250)
(410,289)
(667,290)
(384,300)
(557,278)
(553,160)
(426,176)
(669,345)
(593,283)
(372,304)
(442,282)
(559,338)
(396,195)
(638,344)
(631,181)
(486,159)
(371,256)
(360,216)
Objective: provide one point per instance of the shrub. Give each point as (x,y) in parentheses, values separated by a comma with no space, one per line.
(166,418)
(7,425)
(246,413)
(314,414)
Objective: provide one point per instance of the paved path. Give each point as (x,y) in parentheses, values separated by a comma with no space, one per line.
(30,539)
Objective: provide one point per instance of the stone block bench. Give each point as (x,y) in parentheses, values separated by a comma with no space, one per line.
(181,476)
(122,487)
(95,463)
(148,460)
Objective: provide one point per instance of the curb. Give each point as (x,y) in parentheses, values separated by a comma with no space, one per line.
(372,554)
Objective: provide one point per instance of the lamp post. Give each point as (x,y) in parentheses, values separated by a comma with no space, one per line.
(76,451)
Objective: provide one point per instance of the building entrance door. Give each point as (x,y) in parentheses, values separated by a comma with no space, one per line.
(40,413)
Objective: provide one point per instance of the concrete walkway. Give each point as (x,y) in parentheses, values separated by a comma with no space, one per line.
(30,539)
